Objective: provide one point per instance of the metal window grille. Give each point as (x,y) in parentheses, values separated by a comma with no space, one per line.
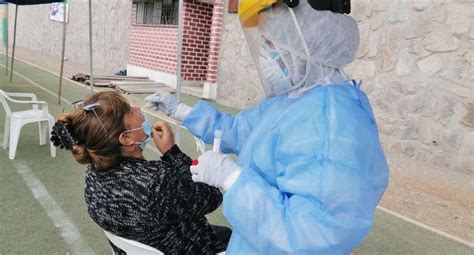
(162,12)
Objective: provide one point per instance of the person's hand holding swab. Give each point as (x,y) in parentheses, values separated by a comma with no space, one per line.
(163,136)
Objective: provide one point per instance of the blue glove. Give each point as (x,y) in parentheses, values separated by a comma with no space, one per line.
(163,101)
(215,169)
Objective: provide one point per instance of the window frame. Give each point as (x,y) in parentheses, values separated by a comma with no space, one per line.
(150,18)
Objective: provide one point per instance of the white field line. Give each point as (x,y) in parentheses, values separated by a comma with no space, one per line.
(421,225)
(16,85)
(160,116)
(39,86)
(60,219)
(46,70)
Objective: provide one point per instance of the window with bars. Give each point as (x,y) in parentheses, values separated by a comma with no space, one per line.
(162,12)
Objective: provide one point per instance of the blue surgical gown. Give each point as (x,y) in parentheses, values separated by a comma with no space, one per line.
(313,171)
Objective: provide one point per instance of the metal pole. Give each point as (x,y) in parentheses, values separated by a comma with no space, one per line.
(14,43)
(6,39)
(62,53)
(180,49)
(178,61)
(91,76)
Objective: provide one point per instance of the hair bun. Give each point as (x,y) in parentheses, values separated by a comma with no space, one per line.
(62,136)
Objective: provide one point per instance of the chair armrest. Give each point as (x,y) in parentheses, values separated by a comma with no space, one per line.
(30,95)
(37,102)
(28,102)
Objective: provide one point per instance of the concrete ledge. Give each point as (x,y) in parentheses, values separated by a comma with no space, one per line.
(193,88)
(196,91)
(166,78)
(210,90)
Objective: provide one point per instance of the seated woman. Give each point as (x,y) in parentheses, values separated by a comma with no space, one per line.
(154,202)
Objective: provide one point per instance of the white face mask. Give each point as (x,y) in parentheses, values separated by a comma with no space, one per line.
(274,71)
(147,128)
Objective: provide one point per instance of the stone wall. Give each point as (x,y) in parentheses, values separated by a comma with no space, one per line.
(111,26)
(416,59)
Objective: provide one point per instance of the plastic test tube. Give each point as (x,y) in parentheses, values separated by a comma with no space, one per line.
(217,141)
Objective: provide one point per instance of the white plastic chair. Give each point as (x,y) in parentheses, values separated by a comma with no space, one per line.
(14,121)
(131,247)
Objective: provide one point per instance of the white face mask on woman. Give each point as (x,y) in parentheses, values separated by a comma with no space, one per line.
(147,128)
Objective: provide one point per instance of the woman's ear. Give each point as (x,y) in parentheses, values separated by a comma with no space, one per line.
(125,139)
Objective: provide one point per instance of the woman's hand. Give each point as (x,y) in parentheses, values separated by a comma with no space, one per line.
(163,136)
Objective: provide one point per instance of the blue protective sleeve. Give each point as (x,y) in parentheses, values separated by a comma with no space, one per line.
(204,119)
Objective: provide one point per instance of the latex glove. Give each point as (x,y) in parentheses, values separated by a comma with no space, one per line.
(169,104)
(163,101)
(215,169)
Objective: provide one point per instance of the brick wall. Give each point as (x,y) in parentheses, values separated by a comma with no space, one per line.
(155,46)
(196,36)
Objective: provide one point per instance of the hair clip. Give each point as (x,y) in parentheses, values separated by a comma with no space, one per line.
(92,107)
(62,136)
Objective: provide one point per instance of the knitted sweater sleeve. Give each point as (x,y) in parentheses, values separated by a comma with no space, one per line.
(182,196)
(178,160)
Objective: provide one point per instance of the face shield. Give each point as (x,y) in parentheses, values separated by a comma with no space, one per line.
(296,47)
(280,69)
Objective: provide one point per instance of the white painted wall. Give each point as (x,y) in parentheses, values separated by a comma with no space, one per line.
(111,26)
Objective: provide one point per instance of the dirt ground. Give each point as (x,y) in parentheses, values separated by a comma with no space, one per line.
(438,198)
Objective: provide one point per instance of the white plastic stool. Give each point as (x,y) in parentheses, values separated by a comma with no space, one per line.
(14,121)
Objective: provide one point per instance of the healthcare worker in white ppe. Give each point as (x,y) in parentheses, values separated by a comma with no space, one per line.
(310,169)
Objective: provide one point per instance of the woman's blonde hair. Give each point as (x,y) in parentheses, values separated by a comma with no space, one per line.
(96,132)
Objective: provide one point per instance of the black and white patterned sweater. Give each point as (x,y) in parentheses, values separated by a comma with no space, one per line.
(155,203)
